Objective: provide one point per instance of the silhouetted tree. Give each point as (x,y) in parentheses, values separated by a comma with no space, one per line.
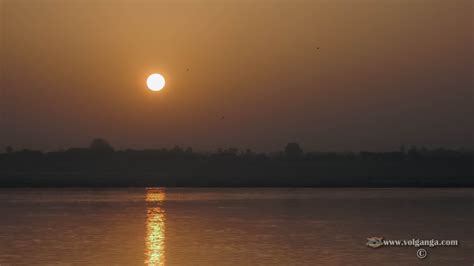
(402,149)
(232,151)
(293,150)
(248,152)
(9,149)
(414,152)
(101,145)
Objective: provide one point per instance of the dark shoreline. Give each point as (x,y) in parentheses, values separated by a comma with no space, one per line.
(88,167)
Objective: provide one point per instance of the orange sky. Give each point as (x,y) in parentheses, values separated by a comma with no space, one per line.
(387,73)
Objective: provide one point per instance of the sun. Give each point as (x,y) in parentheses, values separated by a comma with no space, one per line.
(155,82)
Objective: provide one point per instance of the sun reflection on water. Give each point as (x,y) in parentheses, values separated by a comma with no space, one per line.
(155,227)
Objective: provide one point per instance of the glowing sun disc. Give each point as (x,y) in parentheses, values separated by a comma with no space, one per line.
(155,82)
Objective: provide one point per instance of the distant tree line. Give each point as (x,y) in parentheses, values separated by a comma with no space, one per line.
(101,165)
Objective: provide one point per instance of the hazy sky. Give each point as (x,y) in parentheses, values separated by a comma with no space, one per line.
(387,73)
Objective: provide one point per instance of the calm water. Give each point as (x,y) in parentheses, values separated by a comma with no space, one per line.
(232,226)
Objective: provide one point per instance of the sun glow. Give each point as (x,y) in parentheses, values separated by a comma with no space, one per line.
(155,82)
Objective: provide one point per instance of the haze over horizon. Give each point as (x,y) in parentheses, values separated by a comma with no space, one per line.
(245,74)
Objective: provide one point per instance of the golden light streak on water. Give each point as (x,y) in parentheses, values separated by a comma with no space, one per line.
(155,227)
